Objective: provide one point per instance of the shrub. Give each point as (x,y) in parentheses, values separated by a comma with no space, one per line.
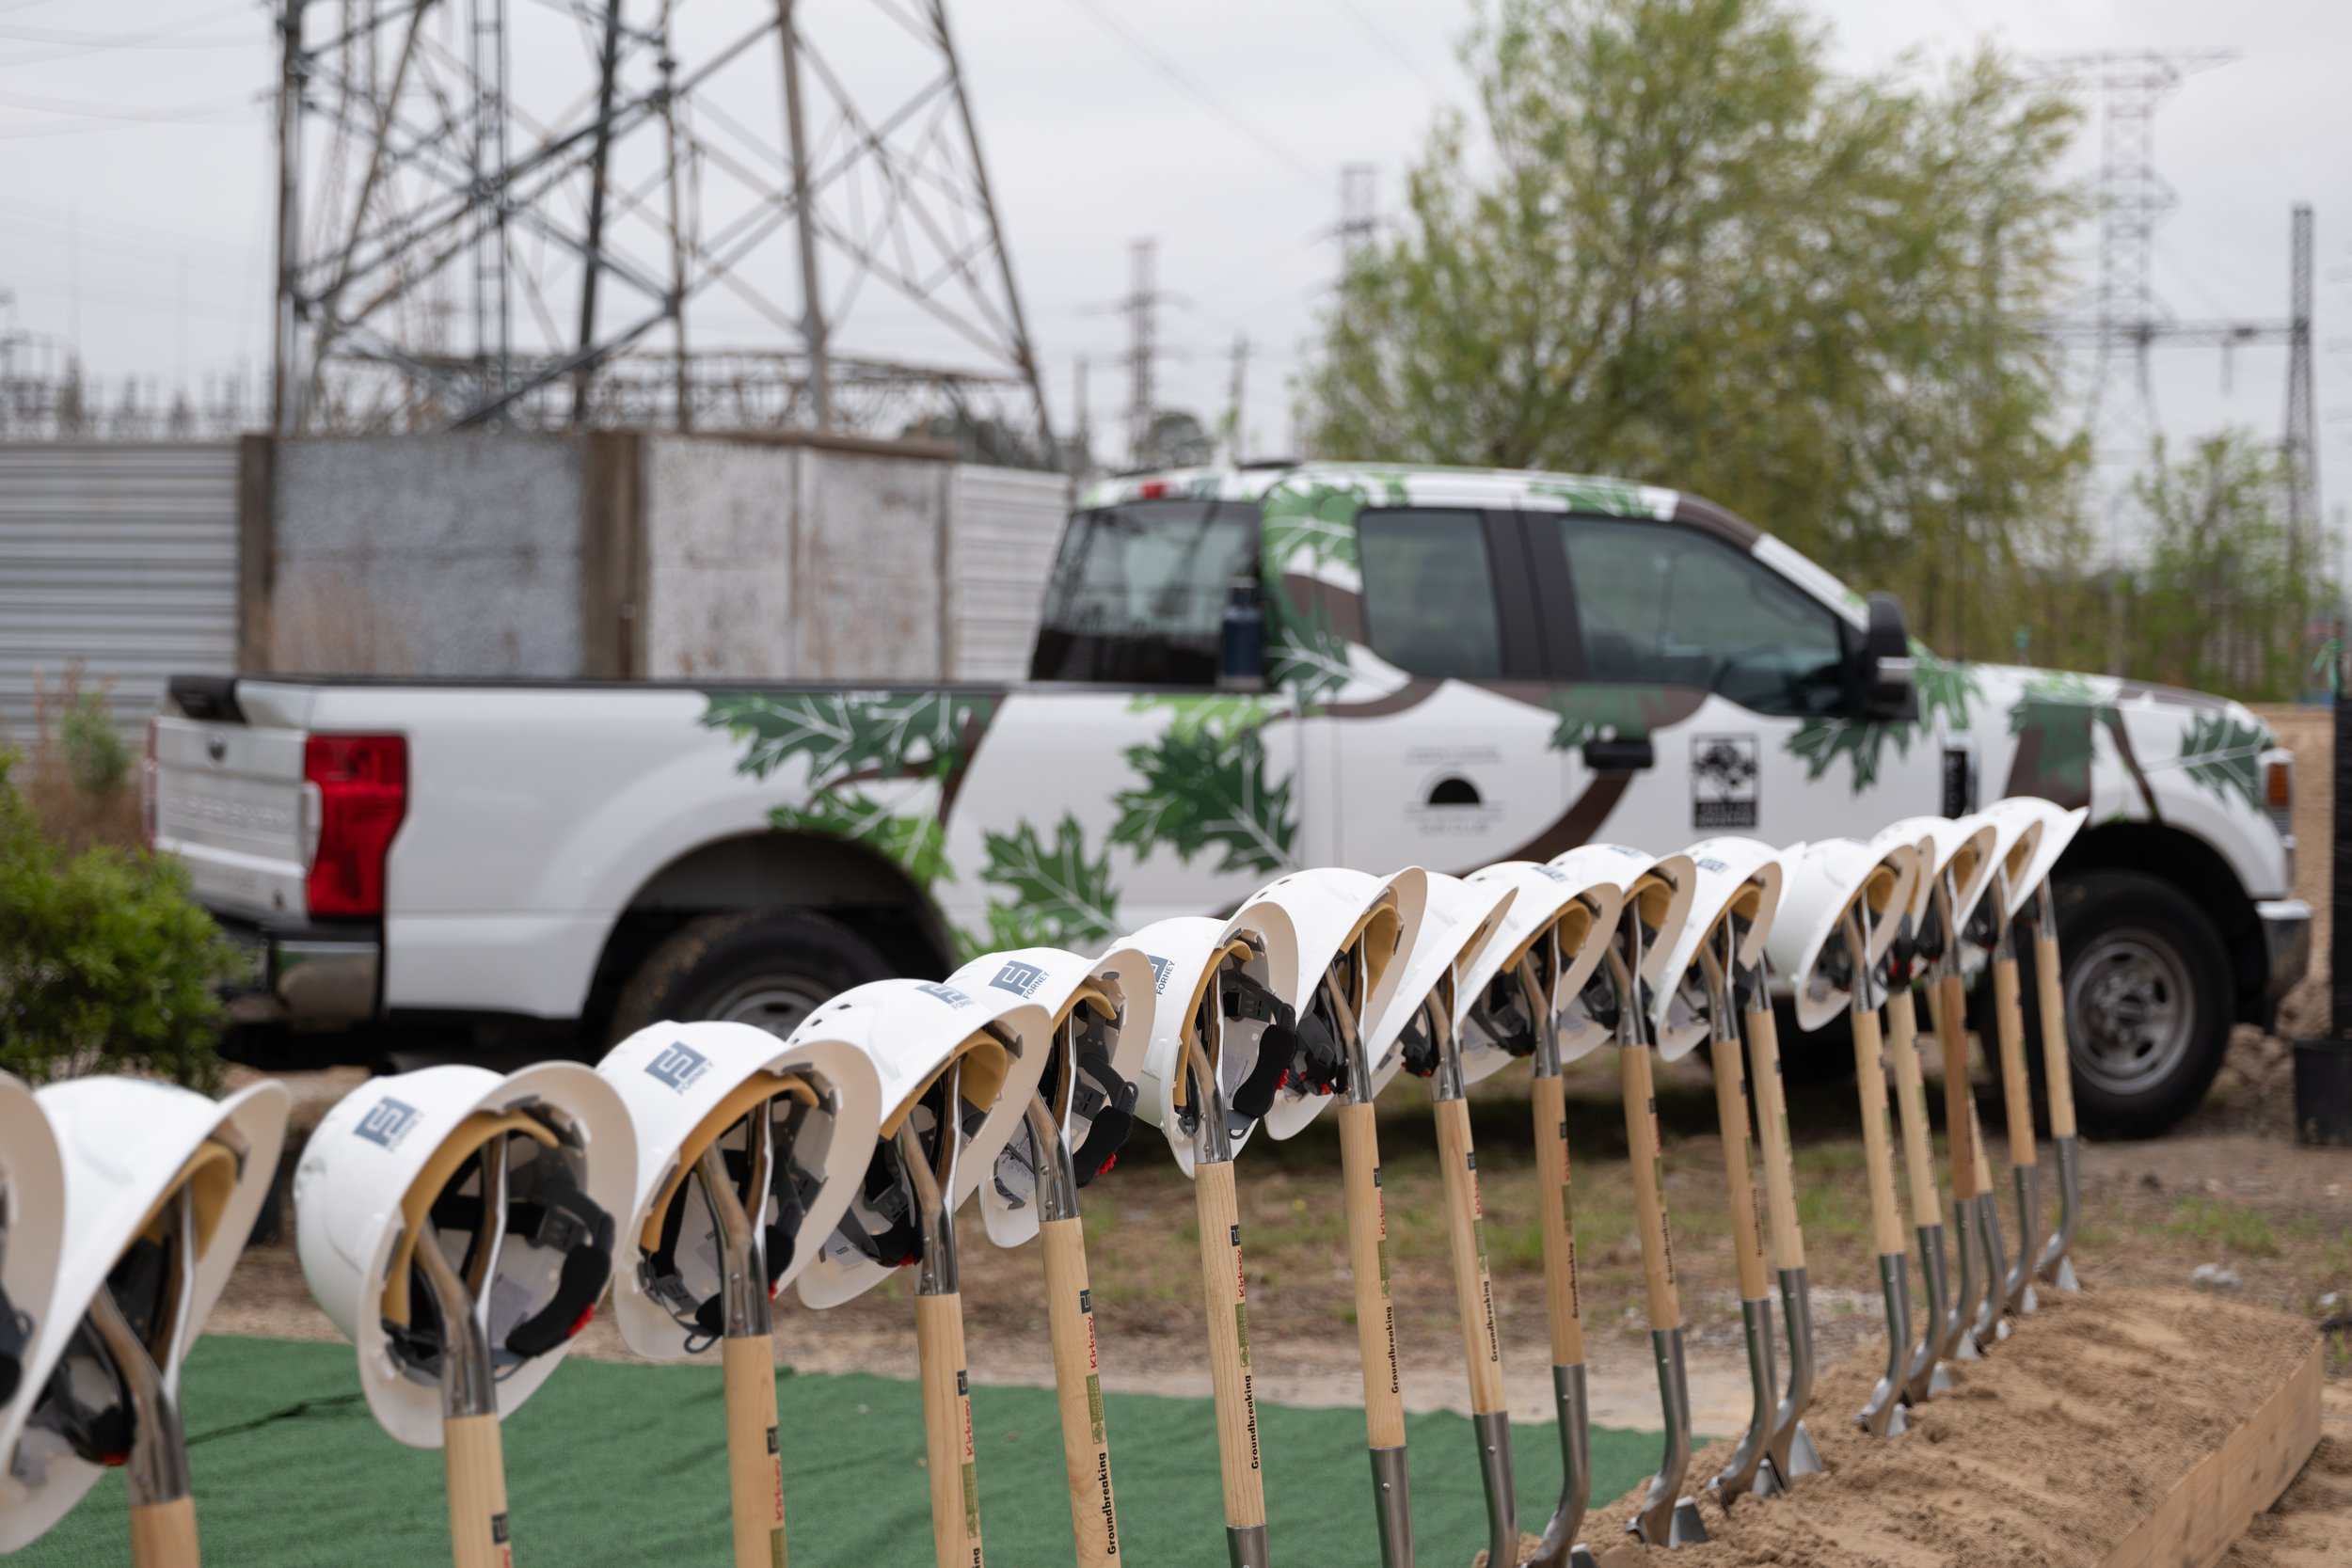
(105,962)
(95,758)
(78,778)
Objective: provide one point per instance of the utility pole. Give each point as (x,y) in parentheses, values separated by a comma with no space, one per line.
(285,322)
(1236,403)
(1142,306)
(812,299)
(2302,421)
(1360,211)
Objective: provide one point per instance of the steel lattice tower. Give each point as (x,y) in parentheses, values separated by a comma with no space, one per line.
(717,213)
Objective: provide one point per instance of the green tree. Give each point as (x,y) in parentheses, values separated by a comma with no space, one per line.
(1697,257)
(2228,589)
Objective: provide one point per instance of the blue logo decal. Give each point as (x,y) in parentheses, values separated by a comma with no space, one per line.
(1161,969)
(1019,978)
(948,994)
(387,1122)
(678,1065)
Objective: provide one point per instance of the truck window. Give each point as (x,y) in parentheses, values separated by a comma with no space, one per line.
(1137,593)
(1429,593)
(1661,605)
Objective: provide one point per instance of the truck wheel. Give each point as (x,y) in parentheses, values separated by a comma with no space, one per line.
(2148,992)
(769,968)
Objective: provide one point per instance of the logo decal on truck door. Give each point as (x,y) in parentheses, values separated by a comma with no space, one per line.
(1722,781)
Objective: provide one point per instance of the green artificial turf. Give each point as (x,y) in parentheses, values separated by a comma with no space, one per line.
(625,1465)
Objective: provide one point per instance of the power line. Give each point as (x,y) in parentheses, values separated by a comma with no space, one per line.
(1395,51)
(1167,68)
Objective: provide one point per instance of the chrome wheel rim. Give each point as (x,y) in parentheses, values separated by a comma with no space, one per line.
(776,1003)
(2129,1011)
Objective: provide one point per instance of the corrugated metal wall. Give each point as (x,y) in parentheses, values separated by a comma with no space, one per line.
(1005,523)
(121,555)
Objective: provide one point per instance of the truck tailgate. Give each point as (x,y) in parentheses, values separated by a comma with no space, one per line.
(232,803)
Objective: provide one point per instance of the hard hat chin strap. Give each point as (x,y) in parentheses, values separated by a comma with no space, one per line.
(791,1189)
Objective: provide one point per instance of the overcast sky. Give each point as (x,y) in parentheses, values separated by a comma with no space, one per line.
(134,182)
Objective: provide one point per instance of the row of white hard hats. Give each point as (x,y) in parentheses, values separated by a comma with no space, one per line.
(89,1172)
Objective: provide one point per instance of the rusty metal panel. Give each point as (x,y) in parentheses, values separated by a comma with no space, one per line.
(1006,524)
(120,555)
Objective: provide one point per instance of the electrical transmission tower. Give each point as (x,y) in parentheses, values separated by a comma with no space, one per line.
(1359,210)
(1142,309)
(691,213)
(2125,320)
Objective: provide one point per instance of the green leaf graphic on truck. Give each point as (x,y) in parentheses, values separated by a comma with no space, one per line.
(1062,899)
(849,740)
(1206,787)
(2224,754)
(1944,690)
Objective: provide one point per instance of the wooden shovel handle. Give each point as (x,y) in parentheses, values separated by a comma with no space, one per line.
(1771,1137)
(1649,1187)
(2016,1085)
(754,1465)
(1225,1295)
(1466,1238)
(475,1465)
(1878,1142)
(1731,1118)
(163,1535)
(1367,1261)
(947,1431)
(1556,1212)
(2058,1063)
(1911,1106)
(1950,1005)
(1086,1449)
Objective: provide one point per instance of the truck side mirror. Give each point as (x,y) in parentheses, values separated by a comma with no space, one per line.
(1241,639)
(1887,692)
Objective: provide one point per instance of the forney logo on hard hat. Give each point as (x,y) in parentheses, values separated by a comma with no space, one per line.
(678,1065)
(387,1122)
(1161,969)
(948,994)
(1019,978)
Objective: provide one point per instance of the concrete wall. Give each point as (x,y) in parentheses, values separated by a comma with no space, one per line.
(430,555)
(624,554)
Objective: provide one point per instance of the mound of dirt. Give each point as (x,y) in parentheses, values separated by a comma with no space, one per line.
(2044,1454)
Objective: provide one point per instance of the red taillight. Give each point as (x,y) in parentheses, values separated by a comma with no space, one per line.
(1152,489)
(362,784)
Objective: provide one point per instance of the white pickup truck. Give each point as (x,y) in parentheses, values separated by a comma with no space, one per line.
(1237,672)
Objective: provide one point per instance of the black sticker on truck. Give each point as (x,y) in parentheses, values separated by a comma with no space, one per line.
(1722,781)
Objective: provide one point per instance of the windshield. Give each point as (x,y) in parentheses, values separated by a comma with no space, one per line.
(1138,591)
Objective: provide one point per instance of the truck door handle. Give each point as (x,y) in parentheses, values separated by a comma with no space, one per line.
(1620,756)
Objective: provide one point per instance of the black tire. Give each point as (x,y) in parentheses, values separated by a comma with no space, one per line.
(764,967)
(2149,995)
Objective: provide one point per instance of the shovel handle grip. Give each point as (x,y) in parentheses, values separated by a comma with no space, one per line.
(1466,1240)
(2016,1084)
(1227,1297)
(1085,1450)
(1556,1212)
(1731,1119)
(2058,1063)
(1911,1106)
(1772,1136)
(1949,1003)
(754,1465)
(1878,1142)
(947,1431)
(1367,1261)
(1649,1187)
(474,1462)
(163,1535)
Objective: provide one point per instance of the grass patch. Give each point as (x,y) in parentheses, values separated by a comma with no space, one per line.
(2224,1224)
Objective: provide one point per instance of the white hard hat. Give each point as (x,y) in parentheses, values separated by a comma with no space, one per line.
(1104,1007)
(2059,826)
(1496,1029)
(2016,846)
(1458,920)
(1821,883)
(126,1148)
(690,1086)
(1961,846)
(914,1031)
(1333,912)
(1735,880)
(400,1153)
(1197,961)
(32,1224)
